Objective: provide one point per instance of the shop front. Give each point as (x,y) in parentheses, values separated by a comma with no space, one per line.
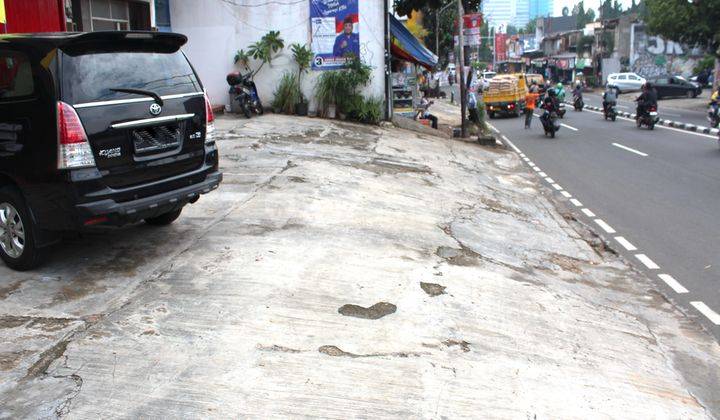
(411,64)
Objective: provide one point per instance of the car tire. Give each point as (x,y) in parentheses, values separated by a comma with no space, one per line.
(164,219)
(19,251)
(690,94)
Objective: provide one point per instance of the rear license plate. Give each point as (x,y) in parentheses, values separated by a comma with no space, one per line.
(156,139)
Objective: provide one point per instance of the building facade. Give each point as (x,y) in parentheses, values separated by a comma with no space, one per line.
(540,8)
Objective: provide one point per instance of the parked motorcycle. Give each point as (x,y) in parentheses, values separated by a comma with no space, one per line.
(648,118)
(550,123)
(610,112)
(714,115)
(245,91)
(578,103)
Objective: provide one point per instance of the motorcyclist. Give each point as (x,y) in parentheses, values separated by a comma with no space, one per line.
(647,98)
(560,92)
(577,91)
(609,98)
(714,105)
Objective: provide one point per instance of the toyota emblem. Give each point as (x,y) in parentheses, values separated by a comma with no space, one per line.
(155,109)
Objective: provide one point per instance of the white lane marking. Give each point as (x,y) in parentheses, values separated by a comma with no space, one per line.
(531,163)
(549,180)
(557,187)
(542,174)
(607,228)
(629,149)
(515,148)
(569,127)
(526,159)
(622,106)
(670,281)
(566,194)
(625,243)
(588,212)
(664,127)
(647,261)
(536,169)
(576,202)
(494,129)
(713,316)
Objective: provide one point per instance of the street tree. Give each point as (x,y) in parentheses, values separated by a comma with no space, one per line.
(405,7)
(692,23)
(530,27)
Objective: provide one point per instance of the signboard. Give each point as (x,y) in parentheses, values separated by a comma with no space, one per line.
(501,47)
(471,29)
(3,20)
(335,32)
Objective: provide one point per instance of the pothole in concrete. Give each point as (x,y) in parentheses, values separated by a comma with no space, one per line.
(432,289)
(458,256)
(464,345)
(297,179)
(376,311)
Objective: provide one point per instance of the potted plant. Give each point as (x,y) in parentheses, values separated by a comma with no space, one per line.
(303,57)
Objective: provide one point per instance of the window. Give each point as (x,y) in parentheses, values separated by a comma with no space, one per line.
(632,77)
(622,77)
(16,79)
(109,15)
(89,77)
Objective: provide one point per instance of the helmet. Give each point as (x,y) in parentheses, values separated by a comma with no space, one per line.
(551,92)
(559,85)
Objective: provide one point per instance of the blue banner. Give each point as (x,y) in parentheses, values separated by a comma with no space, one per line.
(334,26)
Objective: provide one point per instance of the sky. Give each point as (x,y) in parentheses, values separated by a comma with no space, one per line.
(593,4)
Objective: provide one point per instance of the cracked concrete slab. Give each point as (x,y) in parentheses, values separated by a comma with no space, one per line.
(233,310)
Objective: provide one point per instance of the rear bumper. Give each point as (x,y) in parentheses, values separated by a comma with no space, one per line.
(111,212)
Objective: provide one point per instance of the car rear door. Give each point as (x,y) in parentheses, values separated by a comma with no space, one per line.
(143,110)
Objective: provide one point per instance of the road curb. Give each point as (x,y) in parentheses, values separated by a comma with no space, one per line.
(667,123)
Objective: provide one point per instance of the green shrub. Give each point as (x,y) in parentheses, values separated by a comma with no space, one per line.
(340,89)
(287,93)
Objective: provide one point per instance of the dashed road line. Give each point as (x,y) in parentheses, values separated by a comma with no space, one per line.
(569,127)
(576,202)
(670,281)
(650,264)
(713,316)
(542,174)
(549,180)
(625,243)
(588,212)
(607,228)
(565,194)
(557,187)
(630,149)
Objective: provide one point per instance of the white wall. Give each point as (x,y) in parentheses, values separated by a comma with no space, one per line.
(216,29)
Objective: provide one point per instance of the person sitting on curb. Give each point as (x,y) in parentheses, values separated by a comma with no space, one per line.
(425,114)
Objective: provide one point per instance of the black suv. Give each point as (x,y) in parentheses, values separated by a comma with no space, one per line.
(103,128)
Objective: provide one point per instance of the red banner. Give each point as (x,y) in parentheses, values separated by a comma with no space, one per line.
(501,47)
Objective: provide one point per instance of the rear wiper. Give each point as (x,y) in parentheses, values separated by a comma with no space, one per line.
(149,93)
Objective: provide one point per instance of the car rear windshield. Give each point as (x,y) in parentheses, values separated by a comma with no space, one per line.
(90,77)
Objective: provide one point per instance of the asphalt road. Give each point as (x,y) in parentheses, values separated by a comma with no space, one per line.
(658,191)
(666,110)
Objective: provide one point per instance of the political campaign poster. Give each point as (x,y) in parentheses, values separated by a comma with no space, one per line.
(335,32)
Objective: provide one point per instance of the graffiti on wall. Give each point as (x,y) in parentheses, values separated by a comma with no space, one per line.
(654,56)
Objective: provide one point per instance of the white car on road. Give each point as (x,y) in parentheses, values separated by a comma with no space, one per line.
(625,82)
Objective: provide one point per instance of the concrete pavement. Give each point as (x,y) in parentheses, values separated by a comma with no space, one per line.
(351,271)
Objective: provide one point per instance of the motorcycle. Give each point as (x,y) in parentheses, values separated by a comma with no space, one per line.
(245,91)
(610,112)
(648,118)
(550,123)
(578,103)
(561,110)
(714,115)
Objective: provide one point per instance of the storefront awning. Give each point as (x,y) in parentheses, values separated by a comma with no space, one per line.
(406,47)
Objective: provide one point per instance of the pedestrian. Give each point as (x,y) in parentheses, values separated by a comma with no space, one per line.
(425,114)
(530,101)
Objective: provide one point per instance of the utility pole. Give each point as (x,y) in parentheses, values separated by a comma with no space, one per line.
(461,69)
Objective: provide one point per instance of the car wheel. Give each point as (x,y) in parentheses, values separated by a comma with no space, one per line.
(17,229)
(164,219)
(690,94)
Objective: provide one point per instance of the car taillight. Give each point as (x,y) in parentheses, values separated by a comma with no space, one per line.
(73,146)
(209,122)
